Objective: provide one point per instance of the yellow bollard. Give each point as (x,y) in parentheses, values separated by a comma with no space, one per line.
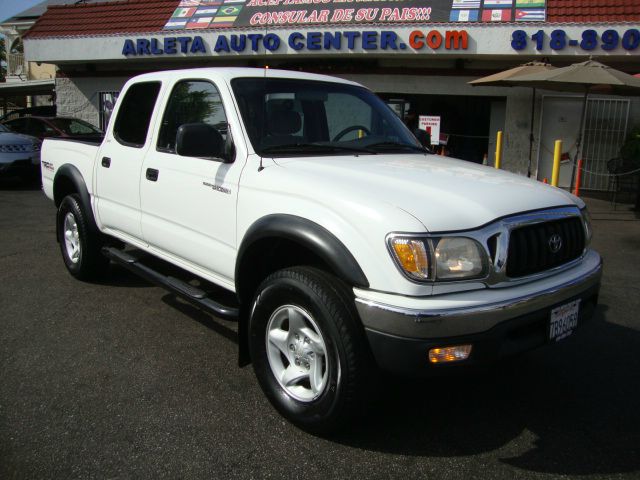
(557,153)
(498,149)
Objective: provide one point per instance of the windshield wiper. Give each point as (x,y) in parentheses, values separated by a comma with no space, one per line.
(312,147)
(395,146)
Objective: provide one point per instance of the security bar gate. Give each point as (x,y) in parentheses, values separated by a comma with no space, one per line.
(605,129)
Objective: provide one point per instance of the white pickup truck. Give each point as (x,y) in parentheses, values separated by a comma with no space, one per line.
(346,246)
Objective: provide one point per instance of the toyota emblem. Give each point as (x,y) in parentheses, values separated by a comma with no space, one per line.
(555,243)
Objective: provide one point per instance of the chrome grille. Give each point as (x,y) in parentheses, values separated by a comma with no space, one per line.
(541,246)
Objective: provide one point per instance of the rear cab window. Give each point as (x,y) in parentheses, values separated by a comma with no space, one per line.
(134,115)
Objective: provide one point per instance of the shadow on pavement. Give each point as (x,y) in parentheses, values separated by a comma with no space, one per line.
(565,409)
(19,184)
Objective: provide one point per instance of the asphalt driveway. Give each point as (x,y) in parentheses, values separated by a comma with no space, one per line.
(122,380)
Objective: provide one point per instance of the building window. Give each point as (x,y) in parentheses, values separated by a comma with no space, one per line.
(107,102)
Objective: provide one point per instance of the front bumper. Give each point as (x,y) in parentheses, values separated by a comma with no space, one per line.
(497,322)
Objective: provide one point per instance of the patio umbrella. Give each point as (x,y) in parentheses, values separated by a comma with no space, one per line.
(585,77)
(507,79)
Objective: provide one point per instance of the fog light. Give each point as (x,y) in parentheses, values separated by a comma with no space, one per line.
(449,354)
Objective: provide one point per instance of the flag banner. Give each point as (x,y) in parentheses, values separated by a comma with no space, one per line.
(176,25)
(200,22)
(497,3)
(463,16)
(207,11)
(183,12)
(530,15)
(274,14)
(465,4)
(502,15)
(530,3)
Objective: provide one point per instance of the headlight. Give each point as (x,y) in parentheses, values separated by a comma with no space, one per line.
(459,257)
(588,231)
(444,259)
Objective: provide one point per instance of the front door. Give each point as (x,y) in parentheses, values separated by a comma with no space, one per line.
(189,203)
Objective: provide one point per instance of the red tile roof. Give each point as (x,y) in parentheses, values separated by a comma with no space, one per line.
(133,16)
(593,11)
(126,16)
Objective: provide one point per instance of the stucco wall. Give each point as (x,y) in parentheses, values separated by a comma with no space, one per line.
(79,97)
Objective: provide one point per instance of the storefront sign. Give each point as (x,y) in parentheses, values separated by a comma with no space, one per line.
(199,14)
(587,40)
(296,41)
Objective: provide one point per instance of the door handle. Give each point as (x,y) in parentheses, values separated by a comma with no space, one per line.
(152,174)
(106,162)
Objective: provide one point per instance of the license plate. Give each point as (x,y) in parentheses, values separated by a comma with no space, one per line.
(564,320)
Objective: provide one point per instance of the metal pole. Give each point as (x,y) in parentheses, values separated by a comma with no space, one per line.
(557,153)
(579,140)
(498,161)
(533,106)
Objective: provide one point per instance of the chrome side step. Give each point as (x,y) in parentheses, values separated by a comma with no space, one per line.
(190,293)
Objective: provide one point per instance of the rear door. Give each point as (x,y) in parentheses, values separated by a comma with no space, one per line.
(189,203)
(119,163)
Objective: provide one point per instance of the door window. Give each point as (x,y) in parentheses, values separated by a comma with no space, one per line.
(134,115)
(191,101)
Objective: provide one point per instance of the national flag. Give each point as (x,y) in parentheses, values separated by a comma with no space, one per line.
(226,2)
(530,15)
(189,3)
(466,4)
(199,22)
(463,16)
(497,3)
(175,25)
(223,22)
(184,12)
(501,15)
(530,3)
(210,3)
(229,11)
(207,11)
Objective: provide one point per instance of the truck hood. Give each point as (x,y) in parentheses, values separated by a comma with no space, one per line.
(444,194)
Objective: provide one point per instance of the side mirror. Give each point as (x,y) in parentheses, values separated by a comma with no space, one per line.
(200,140)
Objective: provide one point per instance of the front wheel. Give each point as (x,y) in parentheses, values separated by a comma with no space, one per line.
(80,247)
(308,348)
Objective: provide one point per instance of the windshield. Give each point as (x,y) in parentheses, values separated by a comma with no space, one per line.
(4,129)
(287,117)
(73,126)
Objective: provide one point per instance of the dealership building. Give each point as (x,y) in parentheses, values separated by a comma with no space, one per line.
(418,55)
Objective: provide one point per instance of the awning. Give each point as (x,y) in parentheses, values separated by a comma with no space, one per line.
(30,87)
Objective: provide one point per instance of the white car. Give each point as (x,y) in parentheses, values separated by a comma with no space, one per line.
(19,154)
(349,247)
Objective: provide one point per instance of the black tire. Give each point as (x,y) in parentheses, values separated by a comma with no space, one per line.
(347,362)
(88,263)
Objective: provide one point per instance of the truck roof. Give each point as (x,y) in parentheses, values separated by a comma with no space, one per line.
(229,73)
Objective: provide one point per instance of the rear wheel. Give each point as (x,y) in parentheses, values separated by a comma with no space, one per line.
(308,348)
(80,247)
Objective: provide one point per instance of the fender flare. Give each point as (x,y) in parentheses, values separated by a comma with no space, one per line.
(308,234)
(72,174)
